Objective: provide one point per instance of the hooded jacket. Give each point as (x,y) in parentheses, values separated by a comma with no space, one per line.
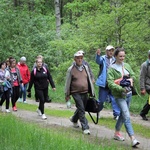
(25,73)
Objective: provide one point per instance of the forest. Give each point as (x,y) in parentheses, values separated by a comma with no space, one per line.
(57,29)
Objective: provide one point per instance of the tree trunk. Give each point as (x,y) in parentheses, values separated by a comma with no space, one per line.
(57,15)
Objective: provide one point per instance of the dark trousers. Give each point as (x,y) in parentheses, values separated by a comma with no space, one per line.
(79,114)
(5,96)
(145,109)
(15,95)
(42,95)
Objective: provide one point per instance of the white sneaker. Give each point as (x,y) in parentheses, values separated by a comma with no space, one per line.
(25,102)
(75,124)
(86,131)
(135,143)
(39,112)
(44,117)
(20,100)
(7,110)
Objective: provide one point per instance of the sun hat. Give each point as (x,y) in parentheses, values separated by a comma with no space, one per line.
(109,47)
(23,59)
(78,54)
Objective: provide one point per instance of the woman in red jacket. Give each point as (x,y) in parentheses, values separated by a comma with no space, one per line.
(25,74)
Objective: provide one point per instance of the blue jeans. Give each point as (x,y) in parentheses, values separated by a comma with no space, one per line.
(23,91)
(104,95)
(124,117)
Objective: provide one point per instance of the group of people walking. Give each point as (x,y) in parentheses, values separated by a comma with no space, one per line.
(16,80)
(112,81)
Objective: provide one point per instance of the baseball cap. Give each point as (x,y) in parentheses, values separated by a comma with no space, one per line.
(81,51)
(109,47)
(78,54)
(23,59)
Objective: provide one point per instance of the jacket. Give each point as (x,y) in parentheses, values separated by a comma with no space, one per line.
(102,77)
(68,81)
(145,76)
(112,75)
(18,75)
(25,73)
(41,79)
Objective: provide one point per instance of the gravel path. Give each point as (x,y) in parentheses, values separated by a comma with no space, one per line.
(96,130)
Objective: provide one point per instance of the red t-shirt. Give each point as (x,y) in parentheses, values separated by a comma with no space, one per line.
(14,77)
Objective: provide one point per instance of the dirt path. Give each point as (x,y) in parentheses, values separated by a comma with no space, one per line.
(96,130)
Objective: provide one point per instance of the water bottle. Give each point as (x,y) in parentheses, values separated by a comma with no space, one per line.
(68,104)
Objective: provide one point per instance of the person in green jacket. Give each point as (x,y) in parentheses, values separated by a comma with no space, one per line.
(122,95)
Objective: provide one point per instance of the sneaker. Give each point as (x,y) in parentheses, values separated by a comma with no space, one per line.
(44,117)
(135,143)
(144,117)
(20,100)
(118,137)
(39,112)
(75,124)
(7,110)
(116,117)
(14,108)
(86,131)
(25,102)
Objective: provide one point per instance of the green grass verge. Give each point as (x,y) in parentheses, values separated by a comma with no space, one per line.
(107,122)
(16,134)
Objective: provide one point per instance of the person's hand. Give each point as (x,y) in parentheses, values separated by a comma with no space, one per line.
(54,89)
(98,52)
(131,81)
(143,92)
(67,98)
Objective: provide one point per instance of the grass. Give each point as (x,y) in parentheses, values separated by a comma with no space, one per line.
(107,122)
(17,134)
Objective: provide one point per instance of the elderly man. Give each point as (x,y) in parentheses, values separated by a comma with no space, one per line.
(79,84)
(104,92)
(145,85)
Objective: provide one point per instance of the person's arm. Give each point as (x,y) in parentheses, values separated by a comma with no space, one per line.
(31,81)
(50,79)
(143,72)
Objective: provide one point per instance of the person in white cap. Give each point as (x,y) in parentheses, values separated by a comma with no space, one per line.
(25,74)
(86,63)
(145,86)
(77,85)
(104,92)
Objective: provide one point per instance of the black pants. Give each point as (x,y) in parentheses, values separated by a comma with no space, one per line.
(145,109)
(5,96)
(15,95)
(79,114)
(42,95)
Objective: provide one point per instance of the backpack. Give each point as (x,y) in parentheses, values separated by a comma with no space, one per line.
(43,68)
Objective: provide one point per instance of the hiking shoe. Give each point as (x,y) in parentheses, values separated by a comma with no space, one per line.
(135,143)
(118,137)
(39,112)
(86,131)
(44,117)
(14,108)
(7,110)
(75,124)
(144,117)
